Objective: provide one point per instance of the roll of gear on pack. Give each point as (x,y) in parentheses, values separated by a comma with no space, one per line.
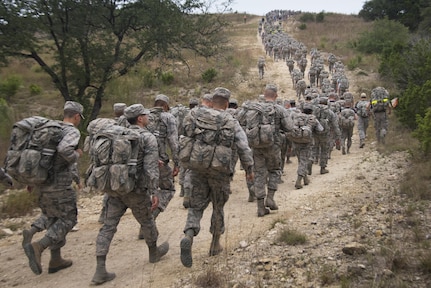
(379,99)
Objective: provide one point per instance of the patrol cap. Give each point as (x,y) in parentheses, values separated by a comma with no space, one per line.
(74,107)
(323,100)
(222,92)
(233,101)
(163,98)
(119,107)
(292,102)
(272,87)
(208,97)
(363,95)
(135,110)
(193,101)
(307,106)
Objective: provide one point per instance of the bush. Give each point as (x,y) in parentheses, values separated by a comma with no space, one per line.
(167,78)
(307,17)
(292,237)
(303,26)
(423,132)
(320,17)
(209,75)
(10,86)
(148,79)
(35,89)
(19,203)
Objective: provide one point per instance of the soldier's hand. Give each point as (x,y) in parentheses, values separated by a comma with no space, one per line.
(79,150)
(250,177)
(154,202)
(175,171)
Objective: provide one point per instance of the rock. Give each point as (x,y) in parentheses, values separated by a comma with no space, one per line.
(7,231)
(354,248)
(243,244)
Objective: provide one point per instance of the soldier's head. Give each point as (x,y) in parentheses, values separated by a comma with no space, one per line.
(72,112)
(136,114)
(162,101)
(233,103)
(323,100)
(119,109)
(221,98)
(207,100)
(307,108)
(193,102)
(270,92)
(363,96)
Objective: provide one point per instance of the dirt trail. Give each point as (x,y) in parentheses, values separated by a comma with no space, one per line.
(128,256)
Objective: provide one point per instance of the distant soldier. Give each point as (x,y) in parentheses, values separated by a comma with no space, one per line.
(362,108)
(312,75)
(380,109)
(261,66)
(331,61)
(302,64)
(346,122)
(300,89)
(291,64)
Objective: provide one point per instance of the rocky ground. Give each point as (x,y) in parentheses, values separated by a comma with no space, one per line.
(357,227)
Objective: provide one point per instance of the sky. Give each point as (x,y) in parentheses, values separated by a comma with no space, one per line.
(261,7)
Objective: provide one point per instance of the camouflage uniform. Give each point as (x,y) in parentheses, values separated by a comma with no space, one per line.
(5,178)
(346,133)
(211,186)
(57,200)
(380,116)
(363,119)
(139,200)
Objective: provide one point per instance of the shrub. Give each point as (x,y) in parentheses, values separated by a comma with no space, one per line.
(292,237)
(303,26)
(320,17)
(10,86)
(35,89)
(423,131)
(148,79)
(307,17)
(209,75)
(19,203)
(167,78)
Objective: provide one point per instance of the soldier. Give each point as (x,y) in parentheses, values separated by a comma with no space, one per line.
(261,66)
(163,125)
(122,121)
(362,109)
(346,122)
(57,198)
(291,64)
(141,201)
(210,185)
(380,109)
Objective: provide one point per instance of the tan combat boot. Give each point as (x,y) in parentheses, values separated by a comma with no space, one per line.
(306,180)
(57,263)
(270,203)
(298,183)
(157,252)
(215,247)
(186,248)
(101,276)
(261,210)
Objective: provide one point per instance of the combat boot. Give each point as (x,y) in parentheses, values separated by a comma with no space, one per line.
(261,210)
(361,143)
(306,180)
(158,252)
(57,263)
(27,236)
(298,184)
(101,276)
(186,248)
(310,167)
(251,195)
(270,203)
(215,247)
(323,170)
(33,251)
(343,150)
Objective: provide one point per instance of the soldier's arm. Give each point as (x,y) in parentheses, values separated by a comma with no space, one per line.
(67,146)
(151,161)
(244,152)
(173,138)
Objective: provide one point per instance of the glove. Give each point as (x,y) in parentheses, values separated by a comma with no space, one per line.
(337,144)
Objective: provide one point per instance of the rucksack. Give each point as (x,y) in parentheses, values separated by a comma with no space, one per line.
(260,127)
(362,110)
(33,145)
(322,115)
(301,131)
(344,83)
(208,141)
(179,113)
(92,129)
(346,119)
(379,99)
(113,157)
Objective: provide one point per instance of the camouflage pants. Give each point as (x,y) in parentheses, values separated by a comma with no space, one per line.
(346,135)
(206,188)
(321,149)
(303,153)
(380,125)
(362,127)
(166,186)
(140,204)
(59,214)
(312,80)
(266,169)
(283,151)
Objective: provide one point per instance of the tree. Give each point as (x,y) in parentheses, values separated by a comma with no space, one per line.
(407,12)
(84,44)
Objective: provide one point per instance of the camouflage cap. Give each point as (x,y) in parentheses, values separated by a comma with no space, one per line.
(308,106)
(135,110)
(323,100)
(363,95)
(222,92)
(233,101)
(292,102)
(272,87)
(193,101)
(163,98)
(208,97)
(119,107)
(74,107)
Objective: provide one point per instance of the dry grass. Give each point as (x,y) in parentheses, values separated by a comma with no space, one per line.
(18,203)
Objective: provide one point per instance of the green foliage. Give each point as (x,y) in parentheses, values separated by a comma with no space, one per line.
(6,120)
(148,79)
(167,78)
(302,26)
(292,237)
(10,86)
(19,203)
(354,62)
(423,131)
(307,17)
(384,35)
(209,75)
(320,17)
(35,89)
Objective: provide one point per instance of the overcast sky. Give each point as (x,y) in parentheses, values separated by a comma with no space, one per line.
(261,7)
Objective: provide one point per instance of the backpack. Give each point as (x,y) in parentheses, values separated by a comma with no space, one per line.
(93,127)
(379,99)
(113,158)
(322,115)
(260,127)
(33,143)
(344,83)
(362,110)
(179,113)
(346,119)
(208,141)
(301,131)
